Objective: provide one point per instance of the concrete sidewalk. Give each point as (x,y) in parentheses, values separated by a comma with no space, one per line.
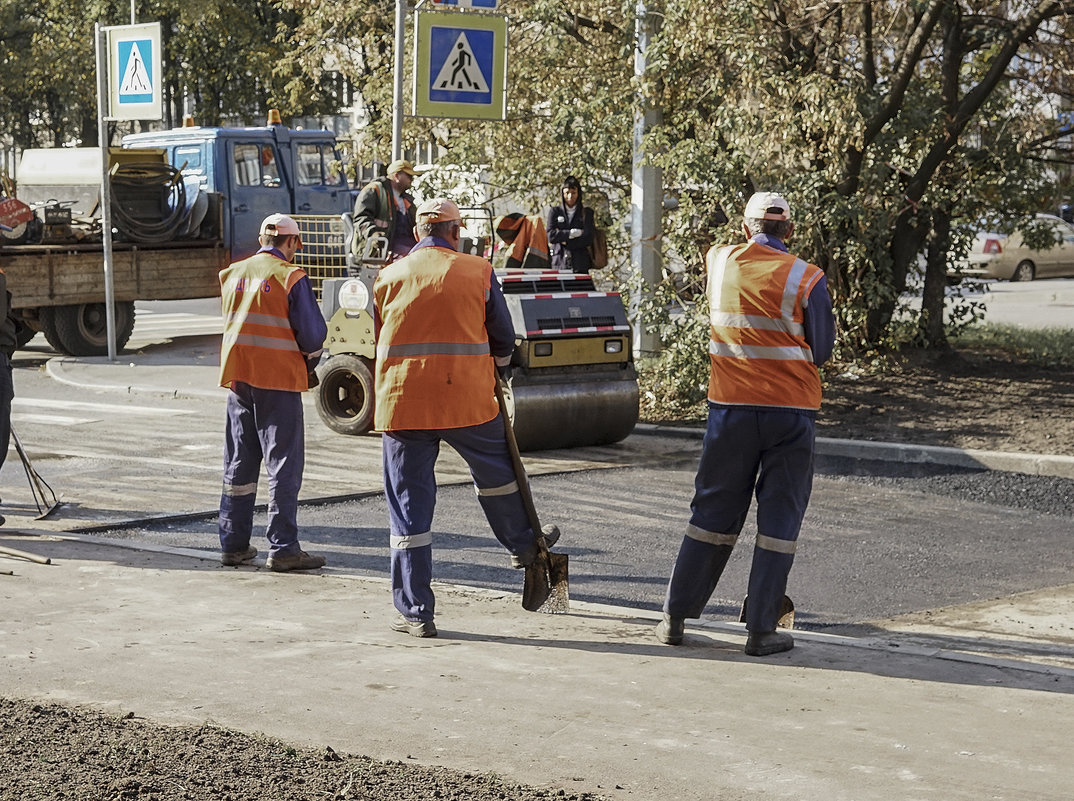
(964,703)
(583,701)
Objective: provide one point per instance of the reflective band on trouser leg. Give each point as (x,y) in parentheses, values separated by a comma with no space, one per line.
(236,520)
(238,490)
(772,560)
(507,516)
(702,557)
(412,576)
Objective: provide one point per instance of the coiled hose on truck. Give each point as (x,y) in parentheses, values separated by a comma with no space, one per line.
(148,201)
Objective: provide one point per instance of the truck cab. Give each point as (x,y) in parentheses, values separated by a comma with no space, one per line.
(258,171)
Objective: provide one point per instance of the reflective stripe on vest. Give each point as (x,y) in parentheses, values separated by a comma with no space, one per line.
(434,368)
(258,346)
(385,351)
(758,355)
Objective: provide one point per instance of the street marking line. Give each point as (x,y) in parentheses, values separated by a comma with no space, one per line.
(112,408)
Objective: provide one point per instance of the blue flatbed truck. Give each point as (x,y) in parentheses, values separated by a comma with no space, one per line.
(245,174)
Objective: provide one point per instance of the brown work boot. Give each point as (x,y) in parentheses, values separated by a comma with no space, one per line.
(765,643)
(670,630)
(415,628)
(285,563)
(232,558)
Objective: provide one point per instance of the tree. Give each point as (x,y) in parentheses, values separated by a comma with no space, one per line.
(864,115)
(221,61)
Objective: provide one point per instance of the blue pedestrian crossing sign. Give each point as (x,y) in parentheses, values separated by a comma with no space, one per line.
(134,72)
(461,65)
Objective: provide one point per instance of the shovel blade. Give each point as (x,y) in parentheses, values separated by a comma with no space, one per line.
(786,612)
(546,589)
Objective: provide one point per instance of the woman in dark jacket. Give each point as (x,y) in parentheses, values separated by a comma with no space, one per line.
(570,229)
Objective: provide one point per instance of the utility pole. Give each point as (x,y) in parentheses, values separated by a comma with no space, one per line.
(397,102)
(647,193)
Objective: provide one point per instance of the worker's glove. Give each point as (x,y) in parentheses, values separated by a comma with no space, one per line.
(575,233)
(311,378)
(504,373)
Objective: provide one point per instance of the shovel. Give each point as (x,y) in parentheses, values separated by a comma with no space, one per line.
(44,498)
(786,612)
(545,589)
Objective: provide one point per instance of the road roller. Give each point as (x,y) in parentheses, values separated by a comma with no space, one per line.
(573,381)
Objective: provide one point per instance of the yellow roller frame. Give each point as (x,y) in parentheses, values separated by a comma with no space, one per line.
(568,352)
(351,332)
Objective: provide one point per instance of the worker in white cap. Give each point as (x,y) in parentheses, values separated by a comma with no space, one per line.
(771,327)
(273,336)
(385,208)
(443,329)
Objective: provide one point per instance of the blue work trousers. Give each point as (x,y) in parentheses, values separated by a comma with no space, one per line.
(410,489)
(770,451)
(7,394)
(263,425)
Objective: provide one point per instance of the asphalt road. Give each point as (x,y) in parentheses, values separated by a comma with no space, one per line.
(872,547)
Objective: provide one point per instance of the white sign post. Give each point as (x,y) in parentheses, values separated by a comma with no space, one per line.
(128,88)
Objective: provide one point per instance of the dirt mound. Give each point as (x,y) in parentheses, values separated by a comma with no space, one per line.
(961,398)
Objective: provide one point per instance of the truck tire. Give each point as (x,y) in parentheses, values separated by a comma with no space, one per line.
(344,396)
(82,329)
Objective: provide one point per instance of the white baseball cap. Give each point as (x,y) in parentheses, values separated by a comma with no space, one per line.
(767,206)
(279,225)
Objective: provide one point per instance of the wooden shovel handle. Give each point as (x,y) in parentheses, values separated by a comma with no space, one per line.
(33,557)
(516,462)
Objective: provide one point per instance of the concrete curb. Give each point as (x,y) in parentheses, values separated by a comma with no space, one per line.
(1036,464)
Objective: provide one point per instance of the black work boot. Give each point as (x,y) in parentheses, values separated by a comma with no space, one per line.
(670,630)
(765,643)
(551,537)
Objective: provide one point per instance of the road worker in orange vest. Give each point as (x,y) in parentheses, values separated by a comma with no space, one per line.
(273,336)
(771,327)
(443,329)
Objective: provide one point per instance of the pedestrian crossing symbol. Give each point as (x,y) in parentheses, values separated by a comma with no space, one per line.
(461,74)
(136,83)
(134,72)
(461,65)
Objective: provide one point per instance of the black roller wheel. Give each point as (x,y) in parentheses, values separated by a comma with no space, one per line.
(1025,271)
(82,329)
(344,395)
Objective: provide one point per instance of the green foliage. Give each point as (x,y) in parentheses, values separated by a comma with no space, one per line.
(226,58)
(894,130)
(1044,347)
(674,384)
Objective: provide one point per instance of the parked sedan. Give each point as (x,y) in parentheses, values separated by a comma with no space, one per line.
(1010,258)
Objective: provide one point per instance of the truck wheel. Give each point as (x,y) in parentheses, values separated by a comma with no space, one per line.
(82,329)
(344,396)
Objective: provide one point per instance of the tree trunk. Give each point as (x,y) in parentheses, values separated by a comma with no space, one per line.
(931,322)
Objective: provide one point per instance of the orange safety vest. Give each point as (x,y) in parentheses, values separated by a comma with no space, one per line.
(758,354)
(527,241)
(259,347)
(434,368)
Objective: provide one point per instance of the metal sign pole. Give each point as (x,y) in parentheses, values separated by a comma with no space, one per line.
(397,100)
(106,191)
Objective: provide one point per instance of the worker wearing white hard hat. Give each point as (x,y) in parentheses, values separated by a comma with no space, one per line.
(771,327)
(273,336)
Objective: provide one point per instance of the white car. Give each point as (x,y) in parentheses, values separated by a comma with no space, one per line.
(1005,257)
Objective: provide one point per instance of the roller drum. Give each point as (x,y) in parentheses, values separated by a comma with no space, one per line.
(574,411)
